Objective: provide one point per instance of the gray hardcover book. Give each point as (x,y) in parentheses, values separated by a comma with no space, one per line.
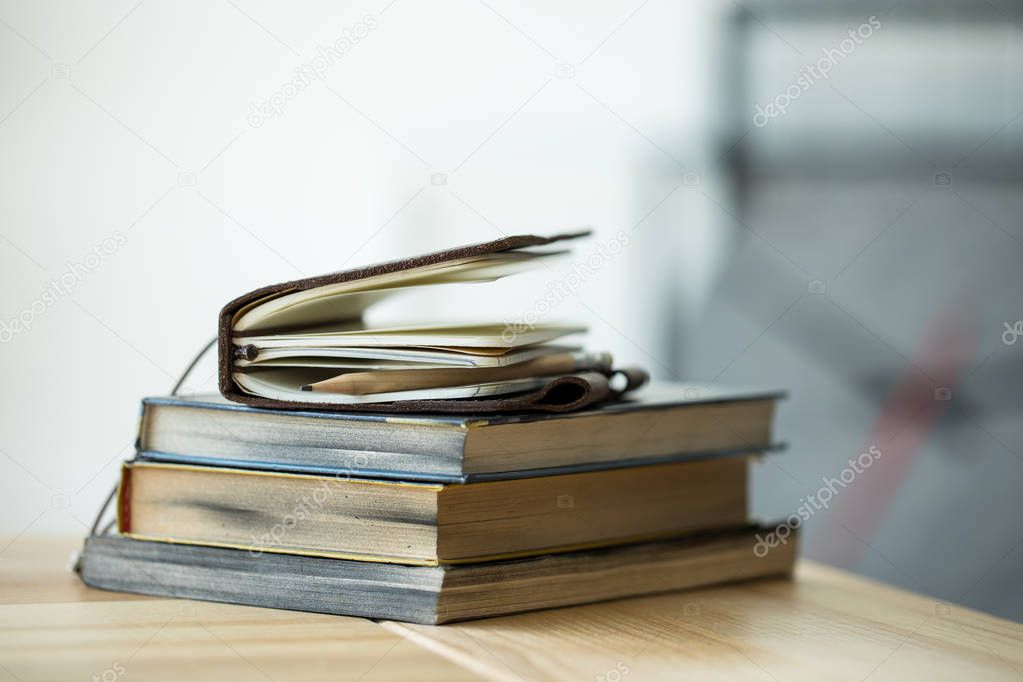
(664,422)
(430,594)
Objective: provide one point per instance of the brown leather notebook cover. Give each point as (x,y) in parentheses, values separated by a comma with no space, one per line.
(561,394)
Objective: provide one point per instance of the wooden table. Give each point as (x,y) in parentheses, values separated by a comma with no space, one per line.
(823,625)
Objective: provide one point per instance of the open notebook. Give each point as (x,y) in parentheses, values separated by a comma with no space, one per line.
(303,344)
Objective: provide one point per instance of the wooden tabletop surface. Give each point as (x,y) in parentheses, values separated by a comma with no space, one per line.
(823,625)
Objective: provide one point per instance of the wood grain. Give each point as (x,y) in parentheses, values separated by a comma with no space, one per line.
(824,625)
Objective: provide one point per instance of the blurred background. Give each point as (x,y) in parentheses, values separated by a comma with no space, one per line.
(818,196)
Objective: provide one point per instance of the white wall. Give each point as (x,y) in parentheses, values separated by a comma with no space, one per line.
(109,111)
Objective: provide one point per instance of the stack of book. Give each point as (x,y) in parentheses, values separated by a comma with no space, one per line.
(431,472)
(432,518)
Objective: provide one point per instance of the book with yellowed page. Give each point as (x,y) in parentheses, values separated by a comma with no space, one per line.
(428,524)
(431,594)
(659,423)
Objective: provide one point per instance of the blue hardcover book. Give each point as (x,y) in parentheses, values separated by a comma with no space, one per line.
(428,594)
(664,422)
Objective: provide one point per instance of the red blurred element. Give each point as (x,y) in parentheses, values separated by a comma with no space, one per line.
(909,415)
